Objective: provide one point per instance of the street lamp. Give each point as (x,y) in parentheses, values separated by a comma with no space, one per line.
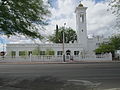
(64,43)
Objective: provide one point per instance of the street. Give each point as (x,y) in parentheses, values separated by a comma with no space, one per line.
(82,76)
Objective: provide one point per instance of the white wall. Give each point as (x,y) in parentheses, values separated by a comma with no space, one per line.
(43,47)
(81,26)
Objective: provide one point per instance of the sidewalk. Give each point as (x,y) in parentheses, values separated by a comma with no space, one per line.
(70,62)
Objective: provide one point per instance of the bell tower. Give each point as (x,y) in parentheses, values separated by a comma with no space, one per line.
(81,25)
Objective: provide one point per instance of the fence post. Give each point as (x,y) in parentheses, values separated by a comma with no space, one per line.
(30,57)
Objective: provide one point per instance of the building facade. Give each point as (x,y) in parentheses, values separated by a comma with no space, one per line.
(84,46)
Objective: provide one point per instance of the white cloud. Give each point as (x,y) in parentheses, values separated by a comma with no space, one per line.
(63,14)
(99,20)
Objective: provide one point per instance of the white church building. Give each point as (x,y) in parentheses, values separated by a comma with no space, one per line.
(81,50)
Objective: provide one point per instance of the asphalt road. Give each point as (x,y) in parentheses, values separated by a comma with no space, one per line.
(84,76)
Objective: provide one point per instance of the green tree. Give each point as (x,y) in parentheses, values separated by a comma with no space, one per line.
(36,51)
(50,52)
(19,17)
(70,35)
(105,48)
(115,41)
(115,8)
(111,46)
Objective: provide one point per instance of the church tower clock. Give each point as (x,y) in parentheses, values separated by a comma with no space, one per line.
(81,25)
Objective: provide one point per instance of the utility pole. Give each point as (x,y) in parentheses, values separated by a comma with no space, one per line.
(64,43)
(3,51)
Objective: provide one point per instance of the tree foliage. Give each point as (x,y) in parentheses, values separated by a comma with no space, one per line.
(105,48)
(115,8)
(50,52)
(69,35)
(111,46)
(36,51)
(19,17)
(115,41)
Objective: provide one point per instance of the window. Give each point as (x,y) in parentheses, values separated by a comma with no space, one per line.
(22,53)
(29,52)
(98,44)
(59,52)
(105,42)
(51,53)
(13,53)
(42,52)
(76,52)
(82,18)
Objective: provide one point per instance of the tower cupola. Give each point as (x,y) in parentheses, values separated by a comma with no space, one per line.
(81,27)
(81,5)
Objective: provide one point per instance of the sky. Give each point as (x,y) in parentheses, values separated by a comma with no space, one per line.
(100,21)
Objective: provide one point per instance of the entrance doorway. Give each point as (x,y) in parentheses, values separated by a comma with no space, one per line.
(68,52)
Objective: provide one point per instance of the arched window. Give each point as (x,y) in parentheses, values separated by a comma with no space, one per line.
(82,18)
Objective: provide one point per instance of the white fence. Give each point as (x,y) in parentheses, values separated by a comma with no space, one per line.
(32,59)
(101,57)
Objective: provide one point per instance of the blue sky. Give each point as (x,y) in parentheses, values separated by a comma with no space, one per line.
(53,3)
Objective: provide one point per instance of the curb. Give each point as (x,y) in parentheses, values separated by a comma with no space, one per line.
(81,62)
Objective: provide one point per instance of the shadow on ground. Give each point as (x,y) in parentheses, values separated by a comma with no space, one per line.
(45,83)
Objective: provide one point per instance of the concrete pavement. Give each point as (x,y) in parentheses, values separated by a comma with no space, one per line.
(82,76)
